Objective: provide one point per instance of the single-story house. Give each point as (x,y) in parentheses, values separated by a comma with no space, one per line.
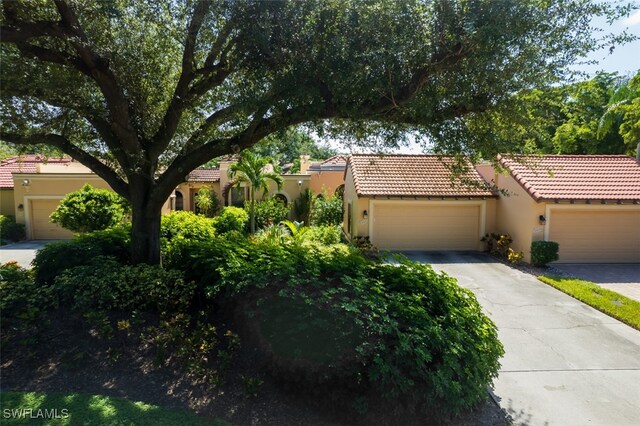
(326,176)
(589,204)
(32,186)
(413,202)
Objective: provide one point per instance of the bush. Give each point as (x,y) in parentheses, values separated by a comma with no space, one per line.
(90,209)
(207,201)
(543,252)
(326,235)
(268,212)
(105,283)
(231,219)
(400,337)
(186,225)
(498,244)
(327,211)
(19,295)
(56,257)
(302,207)
(10,230)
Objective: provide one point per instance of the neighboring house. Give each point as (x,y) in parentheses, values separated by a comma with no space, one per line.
(32,186)
(413,202)
(326,176)
(589,204)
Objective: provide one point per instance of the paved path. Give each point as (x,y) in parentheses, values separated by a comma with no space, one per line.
(623,278)
(22,252)
(565,363)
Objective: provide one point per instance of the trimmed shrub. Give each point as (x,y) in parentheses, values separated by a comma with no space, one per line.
(58,256)
(401,337)
(105,283)
(186,225)
(326,235)
(543,252)
(10,230)
(207,201)
(268,212)
(19,295)
(231,219)
(90,209)
(327,211)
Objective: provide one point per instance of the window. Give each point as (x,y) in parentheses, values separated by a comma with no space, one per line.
(238,196)
(179,201)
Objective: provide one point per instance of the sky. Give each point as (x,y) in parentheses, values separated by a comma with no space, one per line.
(624,60)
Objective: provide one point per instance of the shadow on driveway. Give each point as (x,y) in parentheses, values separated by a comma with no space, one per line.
(447,257)
(604,273)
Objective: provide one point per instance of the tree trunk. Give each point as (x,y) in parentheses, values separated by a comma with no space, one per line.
(145,233)
(252,212)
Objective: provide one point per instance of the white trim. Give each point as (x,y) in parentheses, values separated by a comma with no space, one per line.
(27,210)
(481,203)
(549,208)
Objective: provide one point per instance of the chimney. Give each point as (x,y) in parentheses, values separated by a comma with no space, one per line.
(304,164)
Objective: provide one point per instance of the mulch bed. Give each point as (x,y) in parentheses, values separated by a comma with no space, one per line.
(62,355)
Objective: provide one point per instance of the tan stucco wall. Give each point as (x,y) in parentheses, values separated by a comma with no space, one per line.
(517,214)
(358,206)
(326,182)
(7,204)
(190,189)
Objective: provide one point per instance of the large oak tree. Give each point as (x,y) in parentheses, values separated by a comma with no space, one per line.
(143,92)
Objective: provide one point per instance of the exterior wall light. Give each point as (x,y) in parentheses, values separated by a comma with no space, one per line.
(542,219)
(26,182)
(299,183)
(365,214)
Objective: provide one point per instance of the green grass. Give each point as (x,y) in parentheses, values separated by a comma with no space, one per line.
(89,410)
(607,301)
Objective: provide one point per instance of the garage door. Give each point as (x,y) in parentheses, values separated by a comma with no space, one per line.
(399,226)
(596,236)
(42,228)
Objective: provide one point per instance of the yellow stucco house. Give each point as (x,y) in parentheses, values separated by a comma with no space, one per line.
(590,205)
(32,186)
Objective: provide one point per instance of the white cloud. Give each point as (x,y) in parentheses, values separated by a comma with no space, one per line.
(633,19)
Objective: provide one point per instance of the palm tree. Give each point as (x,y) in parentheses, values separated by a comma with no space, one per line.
(256,172)
(623,112)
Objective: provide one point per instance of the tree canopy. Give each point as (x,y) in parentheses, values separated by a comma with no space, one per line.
(144,92)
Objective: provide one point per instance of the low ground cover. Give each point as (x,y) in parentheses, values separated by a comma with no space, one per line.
(28,408)
(611,303)
(290,308)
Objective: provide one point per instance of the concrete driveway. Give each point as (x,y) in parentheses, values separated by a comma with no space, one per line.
(623,278)
(22,252)
(565,363)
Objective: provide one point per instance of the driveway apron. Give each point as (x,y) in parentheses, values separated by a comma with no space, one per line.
(565,362)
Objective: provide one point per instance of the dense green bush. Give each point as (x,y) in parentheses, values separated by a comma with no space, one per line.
(90,209)
(268,212)
(186,225)
(10,230)
(325,234)
(19,295)
(401,336)
(303,206)
(58,256)
(231,219)
(105,283)
(327,211)
(207,202)
(543,252)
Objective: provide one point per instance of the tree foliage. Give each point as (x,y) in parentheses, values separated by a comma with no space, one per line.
(90,209)
(144,92)
(287,146)
(207,201)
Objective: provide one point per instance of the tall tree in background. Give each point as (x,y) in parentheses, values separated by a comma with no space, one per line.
(144,92)
(287,146)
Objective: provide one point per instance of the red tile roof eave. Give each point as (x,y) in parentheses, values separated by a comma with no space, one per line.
(428,197)
(591,199)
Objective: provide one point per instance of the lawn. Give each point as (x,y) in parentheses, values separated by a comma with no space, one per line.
(607,301)
(21,408)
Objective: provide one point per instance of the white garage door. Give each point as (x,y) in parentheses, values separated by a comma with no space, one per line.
(42,228)
(596,235)
(405,226)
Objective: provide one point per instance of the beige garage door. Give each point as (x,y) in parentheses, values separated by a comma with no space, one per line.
(42,228)
(596,235)
(403,226)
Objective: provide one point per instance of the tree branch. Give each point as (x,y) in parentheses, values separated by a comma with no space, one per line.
(62,143)
(180,96)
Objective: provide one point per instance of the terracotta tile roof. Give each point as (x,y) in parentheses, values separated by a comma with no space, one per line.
(413,176)
(24,164)
(204,175)
(576,177)
(335,163)
(336,160)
